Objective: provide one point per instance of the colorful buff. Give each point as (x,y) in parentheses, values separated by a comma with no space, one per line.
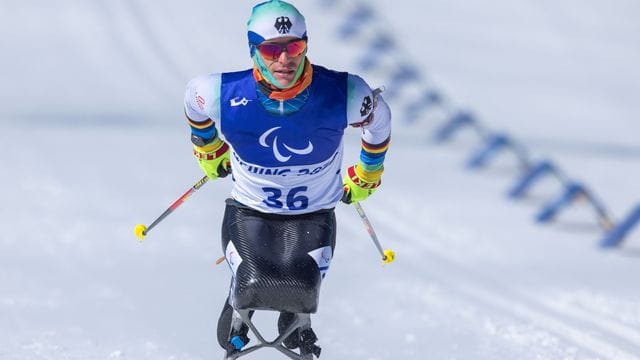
(298,87)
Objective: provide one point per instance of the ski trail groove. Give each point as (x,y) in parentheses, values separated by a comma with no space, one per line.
(621,331)
(405,228)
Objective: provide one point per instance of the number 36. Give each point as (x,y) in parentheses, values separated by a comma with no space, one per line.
(295,201)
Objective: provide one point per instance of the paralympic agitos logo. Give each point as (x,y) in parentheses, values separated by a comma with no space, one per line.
(280,154)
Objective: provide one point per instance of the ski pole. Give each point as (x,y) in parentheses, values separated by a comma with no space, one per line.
(142,230)
(388,255)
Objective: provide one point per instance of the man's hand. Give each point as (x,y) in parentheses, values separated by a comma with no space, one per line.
(213,159)
(359,184)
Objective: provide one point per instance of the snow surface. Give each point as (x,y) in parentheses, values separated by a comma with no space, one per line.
(94,142)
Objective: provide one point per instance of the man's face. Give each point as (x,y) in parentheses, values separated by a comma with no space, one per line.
(283,66)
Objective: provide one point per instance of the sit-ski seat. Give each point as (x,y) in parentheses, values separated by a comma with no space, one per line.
(271,257)
(280,283)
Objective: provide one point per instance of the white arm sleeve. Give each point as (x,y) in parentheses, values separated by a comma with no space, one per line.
(202,98)
(360,104)
(379,128)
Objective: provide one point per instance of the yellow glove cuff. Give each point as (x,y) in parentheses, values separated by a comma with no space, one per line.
(368,176)
(357,189)
(211,151)
(215,162)
(213,146)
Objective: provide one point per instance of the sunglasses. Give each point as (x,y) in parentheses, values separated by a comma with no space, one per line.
(272,51)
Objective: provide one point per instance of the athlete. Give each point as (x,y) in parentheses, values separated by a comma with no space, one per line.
(278,129)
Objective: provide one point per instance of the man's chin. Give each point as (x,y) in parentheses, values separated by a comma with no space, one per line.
(284,81)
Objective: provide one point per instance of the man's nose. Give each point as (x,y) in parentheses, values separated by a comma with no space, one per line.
(284,57)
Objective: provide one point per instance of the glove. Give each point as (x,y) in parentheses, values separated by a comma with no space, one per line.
(213,159)
(359,183)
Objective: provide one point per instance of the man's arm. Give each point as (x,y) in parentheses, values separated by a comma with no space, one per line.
(201,107)
(373,115)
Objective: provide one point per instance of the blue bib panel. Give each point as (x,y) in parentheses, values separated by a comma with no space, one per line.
(309,136)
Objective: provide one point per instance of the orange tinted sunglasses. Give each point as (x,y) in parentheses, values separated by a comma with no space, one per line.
(272,51)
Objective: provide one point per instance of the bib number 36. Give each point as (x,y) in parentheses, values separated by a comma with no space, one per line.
(294,199)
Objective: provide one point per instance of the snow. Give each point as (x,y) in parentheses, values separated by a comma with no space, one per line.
(94,142)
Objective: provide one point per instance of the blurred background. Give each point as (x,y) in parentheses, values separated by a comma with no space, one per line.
(94,141)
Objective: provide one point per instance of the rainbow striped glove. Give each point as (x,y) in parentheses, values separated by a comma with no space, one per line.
(213,159)
(359,184)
